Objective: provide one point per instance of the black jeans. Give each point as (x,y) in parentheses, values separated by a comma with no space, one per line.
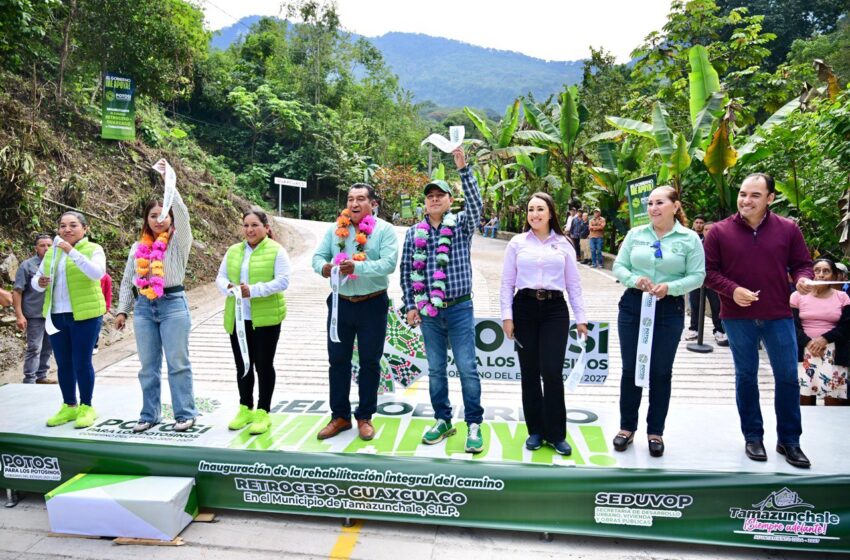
(542,327)
(366,320)
(713,301)
(669,324)
(262,345)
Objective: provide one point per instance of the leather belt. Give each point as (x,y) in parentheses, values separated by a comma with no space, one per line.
(457,300)
(358,299)
(168,290)
(541,295)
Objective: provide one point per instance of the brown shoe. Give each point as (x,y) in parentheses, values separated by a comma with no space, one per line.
(334,427)
(367,431)
(45,381)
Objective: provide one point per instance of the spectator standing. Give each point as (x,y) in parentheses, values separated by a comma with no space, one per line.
(597,235)
(585,238)
(28,304)
(701,227)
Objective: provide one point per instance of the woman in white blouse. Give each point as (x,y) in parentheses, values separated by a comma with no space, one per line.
(256,269)
(73,307)
(153,284)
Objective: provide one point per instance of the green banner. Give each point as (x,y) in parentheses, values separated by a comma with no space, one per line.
(118,119)
(406,206)
(637,191)
(799,512)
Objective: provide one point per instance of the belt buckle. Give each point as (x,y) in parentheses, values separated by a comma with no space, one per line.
(541,295)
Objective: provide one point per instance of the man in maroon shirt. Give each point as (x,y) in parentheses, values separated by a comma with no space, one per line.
(748,257)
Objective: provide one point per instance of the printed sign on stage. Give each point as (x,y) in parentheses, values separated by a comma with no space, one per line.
(404,358)
(705,492)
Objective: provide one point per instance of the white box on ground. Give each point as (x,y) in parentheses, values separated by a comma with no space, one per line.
(102,505)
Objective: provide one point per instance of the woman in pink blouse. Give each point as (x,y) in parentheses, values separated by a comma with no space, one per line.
(540,265)
(822,318)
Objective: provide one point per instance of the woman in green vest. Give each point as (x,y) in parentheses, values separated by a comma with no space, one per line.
(258,270)
(73,306)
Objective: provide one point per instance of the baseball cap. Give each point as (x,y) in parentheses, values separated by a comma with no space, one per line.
(440,184)
(842,267)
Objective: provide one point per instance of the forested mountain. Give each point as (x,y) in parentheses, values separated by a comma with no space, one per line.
(452,73)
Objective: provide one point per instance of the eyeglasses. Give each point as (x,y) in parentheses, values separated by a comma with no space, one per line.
(657,247)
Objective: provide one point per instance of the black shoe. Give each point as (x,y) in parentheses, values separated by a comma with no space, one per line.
(755,450)
(794,455)
(656,446)
(621,441)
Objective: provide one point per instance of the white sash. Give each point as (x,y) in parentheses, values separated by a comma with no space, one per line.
(241,335)
(578,369)
(335,284)
(48,321)
(170,191)
(644,346)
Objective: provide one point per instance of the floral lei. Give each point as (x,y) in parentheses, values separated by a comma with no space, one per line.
(150,272)
(437,298)
(364,230)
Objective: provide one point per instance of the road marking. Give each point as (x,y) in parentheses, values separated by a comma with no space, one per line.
(346,542)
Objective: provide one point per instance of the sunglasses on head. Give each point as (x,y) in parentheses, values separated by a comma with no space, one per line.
(657,247)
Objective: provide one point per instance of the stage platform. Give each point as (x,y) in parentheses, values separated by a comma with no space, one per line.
(703,490)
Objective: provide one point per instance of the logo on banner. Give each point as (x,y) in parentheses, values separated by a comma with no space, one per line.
(625,508)
(31,467)
(783,516)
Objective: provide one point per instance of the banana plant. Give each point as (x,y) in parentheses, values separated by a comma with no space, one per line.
(677,149)
(561,141)
(497,148)
(618,164)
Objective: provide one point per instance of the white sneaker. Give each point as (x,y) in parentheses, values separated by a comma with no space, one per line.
(183,425)
(691,335)
(142,426)
(720,339)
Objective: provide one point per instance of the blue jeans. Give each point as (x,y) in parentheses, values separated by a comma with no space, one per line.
(367,321)
(669,324)
(161,325)
(72,347)
(596,257)
(455,325)
(780,341)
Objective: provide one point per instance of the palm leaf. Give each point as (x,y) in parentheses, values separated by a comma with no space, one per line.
(703,80)
(481,125)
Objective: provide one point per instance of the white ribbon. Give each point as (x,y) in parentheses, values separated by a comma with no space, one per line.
(170,189)
(241,335)
(335,284)
(578,369)
(48,321)
(644,346)
(825,283)
(456,135)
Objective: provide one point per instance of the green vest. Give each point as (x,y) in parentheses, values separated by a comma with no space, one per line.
(86,296)
(265,311)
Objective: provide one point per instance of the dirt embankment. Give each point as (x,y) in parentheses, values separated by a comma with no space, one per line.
(54,159)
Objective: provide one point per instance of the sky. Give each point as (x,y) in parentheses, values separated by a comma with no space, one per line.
(547,29)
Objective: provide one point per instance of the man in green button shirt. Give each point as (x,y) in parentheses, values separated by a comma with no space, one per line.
(362,311)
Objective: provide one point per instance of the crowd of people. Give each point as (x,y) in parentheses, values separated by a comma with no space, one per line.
(746,262)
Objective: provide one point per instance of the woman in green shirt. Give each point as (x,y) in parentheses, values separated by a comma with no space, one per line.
(665,259)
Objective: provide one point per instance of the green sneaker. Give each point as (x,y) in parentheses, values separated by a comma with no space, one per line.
(474,439)
(66,414)
(86,416)
(244,417)
(438,432)
(261,423)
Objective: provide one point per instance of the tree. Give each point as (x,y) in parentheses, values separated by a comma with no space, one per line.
(263,112)
(157,42)
(790,20)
